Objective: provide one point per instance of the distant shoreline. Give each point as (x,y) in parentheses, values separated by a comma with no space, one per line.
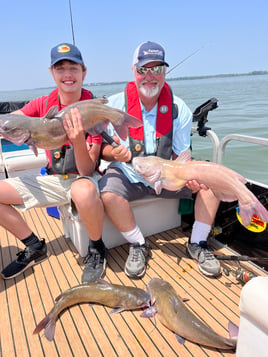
(253,73)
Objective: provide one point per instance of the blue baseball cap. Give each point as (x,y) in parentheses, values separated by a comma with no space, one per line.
(66,51)
(148,52)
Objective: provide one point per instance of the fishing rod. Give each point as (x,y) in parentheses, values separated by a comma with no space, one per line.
(71,18)
(178,64)
(107,137)
(185,59)
(239,257)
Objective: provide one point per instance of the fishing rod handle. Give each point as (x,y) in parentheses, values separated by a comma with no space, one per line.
(232,257)
(109,139)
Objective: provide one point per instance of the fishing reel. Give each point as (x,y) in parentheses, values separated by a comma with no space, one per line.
(241,275)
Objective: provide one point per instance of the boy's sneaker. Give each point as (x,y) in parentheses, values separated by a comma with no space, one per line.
(207,263)
(95,264)
(26,258)
(135,266)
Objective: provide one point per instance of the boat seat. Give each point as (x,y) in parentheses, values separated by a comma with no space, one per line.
(22,162)
(253,327)
(153,215)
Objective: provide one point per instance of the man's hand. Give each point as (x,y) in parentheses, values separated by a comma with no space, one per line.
(194,186)
(120,153)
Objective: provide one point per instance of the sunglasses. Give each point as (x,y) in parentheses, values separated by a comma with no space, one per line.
(155,70)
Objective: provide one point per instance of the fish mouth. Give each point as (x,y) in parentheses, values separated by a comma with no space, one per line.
(146,172)
(16,137)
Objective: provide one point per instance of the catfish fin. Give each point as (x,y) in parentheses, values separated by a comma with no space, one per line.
(42,324)
(184,156)
(224,196)
(132,121)
(185,299)
(50,330)
(128,120)
(104,282)
(103,100)
(174,302)
(233,330)
(33,148)
(49,325)
(180,339)
(247,212)
(122,131)
(117,310)
(98,128)
(158,187)
(53,111)
(261,211)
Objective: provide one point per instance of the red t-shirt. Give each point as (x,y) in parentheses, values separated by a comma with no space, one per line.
(39,106)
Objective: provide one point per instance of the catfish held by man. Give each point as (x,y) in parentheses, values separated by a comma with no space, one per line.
(226,184)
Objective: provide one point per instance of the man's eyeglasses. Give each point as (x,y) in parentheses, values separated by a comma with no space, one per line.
(155,70)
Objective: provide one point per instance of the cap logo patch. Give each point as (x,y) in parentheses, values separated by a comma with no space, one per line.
(154,52)
(63,49)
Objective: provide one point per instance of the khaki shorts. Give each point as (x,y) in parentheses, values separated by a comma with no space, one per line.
(48,190)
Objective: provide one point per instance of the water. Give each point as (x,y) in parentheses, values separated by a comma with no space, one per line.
(242,109)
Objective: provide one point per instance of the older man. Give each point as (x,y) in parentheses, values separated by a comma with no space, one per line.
(166,133)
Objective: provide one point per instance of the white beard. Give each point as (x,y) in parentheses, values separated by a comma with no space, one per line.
(149,92)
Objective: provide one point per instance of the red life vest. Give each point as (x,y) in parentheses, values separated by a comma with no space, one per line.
(164,122)
(61,160)
(53,98)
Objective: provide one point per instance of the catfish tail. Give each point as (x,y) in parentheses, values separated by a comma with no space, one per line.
(49,325)
(247,213)
(122,128)
(261,212)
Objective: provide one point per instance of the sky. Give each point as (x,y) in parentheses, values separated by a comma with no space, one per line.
(230,36)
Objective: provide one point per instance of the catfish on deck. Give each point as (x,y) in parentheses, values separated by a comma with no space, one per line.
(48,132)
(101,292)
(172,313)
(226,184)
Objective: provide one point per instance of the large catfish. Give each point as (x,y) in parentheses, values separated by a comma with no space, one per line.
(48,132)
(172,313)
(226,184)
(101,292)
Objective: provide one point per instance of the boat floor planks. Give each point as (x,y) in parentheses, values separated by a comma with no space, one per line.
(91,330)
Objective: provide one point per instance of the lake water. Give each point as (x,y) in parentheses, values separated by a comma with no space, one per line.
(242,109)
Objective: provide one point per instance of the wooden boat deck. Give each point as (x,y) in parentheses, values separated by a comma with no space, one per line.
(90,330)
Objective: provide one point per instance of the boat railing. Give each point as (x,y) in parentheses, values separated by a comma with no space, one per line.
(238,137)
(214,140)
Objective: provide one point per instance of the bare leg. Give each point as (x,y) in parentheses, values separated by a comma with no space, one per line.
(36,250)
(10,218)
(206,206)
(119,211)
(89,206)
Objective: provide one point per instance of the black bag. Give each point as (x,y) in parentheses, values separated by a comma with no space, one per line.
(63,160)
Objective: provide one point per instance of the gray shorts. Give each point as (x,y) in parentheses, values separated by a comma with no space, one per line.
(48,190)
(115,181)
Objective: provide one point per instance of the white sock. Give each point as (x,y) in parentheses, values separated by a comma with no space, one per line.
(200,231)
(134,236)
